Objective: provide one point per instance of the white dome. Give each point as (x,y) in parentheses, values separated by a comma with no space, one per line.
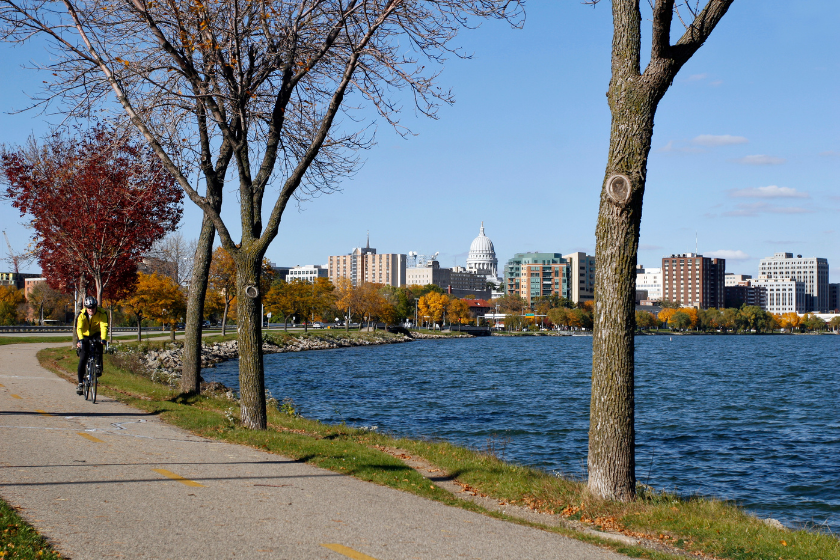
(482,256)
(481,245)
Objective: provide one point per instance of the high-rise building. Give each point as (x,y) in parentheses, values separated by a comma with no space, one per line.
(581,276)
(833,298)
(812,271)
(649,280)
(694,280)
(532,275)
(363,264)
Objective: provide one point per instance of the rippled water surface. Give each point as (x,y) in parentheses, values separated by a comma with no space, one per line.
(755,419)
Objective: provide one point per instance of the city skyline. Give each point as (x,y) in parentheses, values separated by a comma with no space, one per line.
(744,151)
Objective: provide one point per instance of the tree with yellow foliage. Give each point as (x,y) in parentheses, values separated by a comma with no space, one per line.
(458,310)
(345,299)
(788,321)
(156,297)
(432,307)
(222,280)
(11,303)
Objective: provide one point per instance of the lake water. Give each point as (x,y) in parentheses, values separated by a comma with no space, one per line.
(754,419)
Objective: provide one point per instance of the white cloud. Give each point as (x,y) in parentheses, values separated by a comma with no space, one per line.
(830,153)
(727,254)
(669,147)
(697,77)
(771,191)
(716,83)
(756,208)
(718,140)
(760,160)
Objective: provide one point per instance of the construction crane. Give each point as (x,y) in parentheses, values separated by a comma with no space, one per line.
(12,256)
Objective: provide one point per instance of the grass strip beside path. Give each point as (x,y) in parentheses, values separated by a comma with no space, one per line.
(699,527)
(18,539)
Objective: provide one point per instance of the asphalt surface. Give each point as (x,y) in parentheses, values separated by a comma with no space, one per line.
(108,481)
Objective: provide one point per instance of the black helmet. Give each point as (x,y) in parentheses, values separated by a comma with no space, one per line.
(90,302)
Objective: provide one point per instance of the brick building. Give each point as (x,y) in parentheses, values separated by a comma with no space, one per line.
(694,280)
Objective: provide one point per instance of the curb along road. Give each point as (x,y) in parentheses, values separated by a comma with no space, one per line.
(107,481)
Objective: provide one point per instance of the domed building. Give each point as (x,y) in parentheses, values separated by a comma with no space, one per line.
(482,258)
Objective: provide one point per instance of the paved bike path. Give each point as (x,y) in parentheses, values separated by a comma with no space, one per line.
(109,481)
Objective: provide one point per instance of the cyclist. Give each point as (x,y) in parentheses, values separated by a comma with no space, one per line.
(90,325)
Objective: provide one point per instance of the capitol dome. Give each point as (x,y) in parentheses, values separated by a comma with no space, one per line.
(482,258)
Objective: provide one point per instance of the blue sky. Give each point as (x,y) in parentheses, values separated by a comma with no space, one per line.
(746,149)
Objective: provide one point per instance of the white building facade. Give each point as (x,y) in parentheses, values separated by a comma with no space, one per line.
(307,273)
(730,279)
(581,276)
(650,280)
(781,295)
(812,271)
(482,258)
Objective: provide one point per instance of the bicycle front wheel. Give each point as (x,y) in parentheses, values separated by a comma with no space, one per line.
(94,383)
(89,374)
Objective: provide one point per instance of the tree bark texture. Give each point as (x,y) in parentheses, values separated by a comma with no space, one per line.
(249,325)
(191,372)
(633,98)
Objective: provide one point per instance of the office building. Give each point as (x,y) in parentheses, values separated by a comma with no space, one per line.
(781,295)
(533,275)
(730,279)
(742,293)
(581,276)
(693,280)
(833,301)
(812,271)
(363,264)
(16,279)
(650,281)
(307,273)
(457,281)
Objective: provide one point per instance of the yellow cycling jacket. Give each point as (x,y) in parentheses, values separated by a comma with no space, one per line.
(88,326)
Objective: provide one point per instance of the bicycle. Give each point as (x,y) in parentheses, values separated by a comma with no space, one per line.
(93,370)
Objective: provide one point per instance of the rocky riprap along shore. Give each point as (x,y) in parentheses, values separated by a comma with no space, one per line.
(425,335)
(165,364)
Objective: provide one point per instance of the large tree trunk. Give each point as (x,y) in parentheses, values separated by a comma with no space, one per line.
(191,372)
(612,436)
(249,325)
(633,97)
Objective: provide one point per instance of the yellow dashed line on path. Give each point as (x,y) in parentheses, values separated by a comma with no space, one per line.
(17,397)
(181,479)
(1,385)
(348,552)
(90,437)
(44,412)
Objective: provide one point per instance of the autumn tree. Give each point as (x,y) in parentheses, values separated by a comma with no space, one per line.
(12,302)
(97,204)
(789,321)
(156,297)
(222,280)
(432,306)
(458,310)
(46,302)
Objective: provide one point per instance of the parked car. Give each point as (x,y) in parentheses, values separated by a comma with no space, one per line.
(317,325)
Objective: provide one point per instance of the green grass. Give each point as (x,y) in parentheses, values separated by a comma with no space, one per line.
(702,526)
(41,339)
(19,540)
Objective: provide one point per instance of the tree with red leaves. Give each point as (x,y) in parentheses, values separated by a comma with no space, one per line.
(97,203)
